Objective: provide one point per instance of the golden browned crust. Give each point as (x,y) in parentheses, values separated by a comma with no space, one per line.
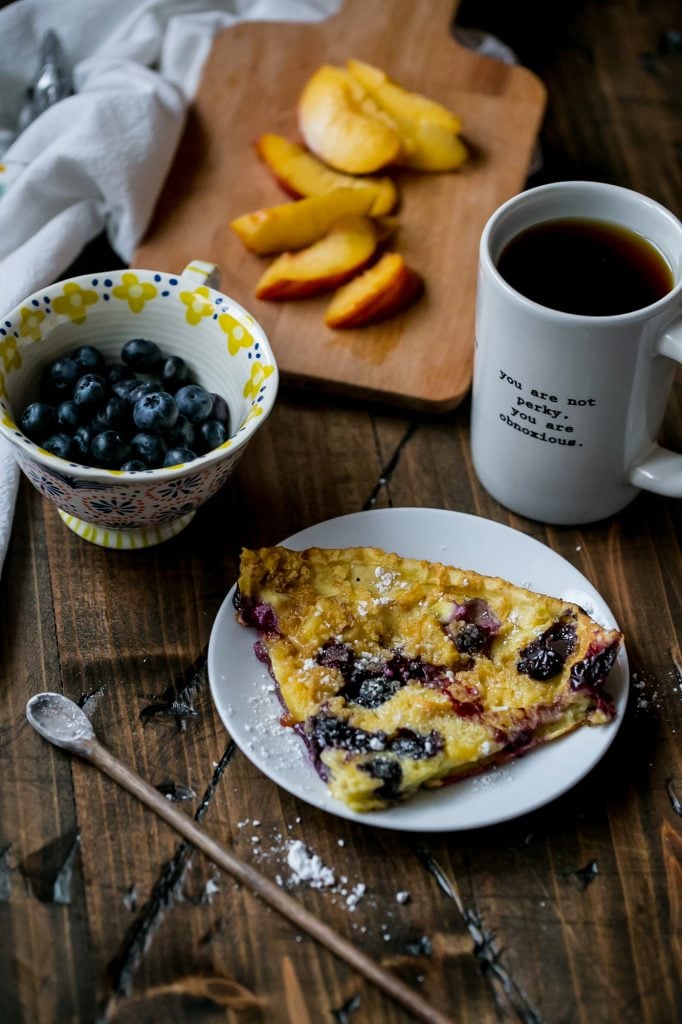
(395,648)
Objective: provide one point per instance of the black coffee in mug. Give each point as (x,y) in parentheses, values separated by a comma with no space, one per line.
(585,266)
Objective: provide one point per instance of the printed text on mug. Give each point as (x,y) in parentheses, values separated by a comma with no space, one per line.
(542,415)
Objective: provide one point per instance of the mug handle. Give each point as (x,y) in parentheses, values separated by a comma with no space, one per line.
(660,470)
(204,273)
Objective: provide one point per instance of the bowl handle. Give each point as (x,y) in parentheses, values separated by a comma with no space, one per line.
(203,273)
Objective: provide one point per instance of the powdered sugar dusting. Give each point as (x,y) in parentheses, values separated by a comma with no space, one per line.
(296,864)
(650,693)
(308,867)
(355,895)
(266,737)
(493,776)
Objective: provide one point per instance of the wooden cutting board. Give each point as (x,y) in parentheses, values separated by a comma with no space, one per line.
(250,85)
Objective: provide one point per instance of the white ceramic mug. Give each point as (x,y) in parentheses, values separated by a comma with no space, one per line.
(566,408)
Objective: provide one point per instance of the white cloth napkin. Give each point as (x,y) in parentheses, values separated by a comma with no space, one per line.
(96,160)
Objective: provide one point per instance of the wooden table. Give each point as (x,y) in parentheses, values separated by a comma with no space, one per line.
(570,914)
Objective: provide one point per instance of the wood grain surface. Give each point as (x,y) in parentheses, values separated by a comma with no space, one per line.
(250,86)
(569,915)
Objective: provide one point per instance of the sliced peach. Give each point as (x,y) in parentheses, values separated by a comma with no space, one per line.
(384,289)
(302,174)
(297,224)
(400,102)
(338,125)
(430,147)
(428,129)
(324,265)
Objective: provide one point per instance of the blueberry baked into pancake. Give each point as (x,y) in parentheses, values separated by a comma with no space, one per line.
(399,673)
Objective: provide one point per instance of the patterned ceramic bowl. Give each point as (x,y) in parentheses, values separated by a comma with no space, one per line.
(225,349)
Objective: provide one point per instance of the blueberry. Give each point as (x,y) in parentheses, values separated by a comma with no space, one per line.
(89,359)
(117,372)
(471,638)
(407,743)
(329,731)
(82,436)
(124,388)
(37,420)
(339,656)
(89,391)
(174,373)
(59,444)
(61,375)
(194,402)
(264,617)
(113,415)
(212,434)
(151,386)
(368,685)
(260,614)
(546,656)
(67,415)
(134,466)
(142,355)
(390,773)
(540,663)
(109,449)
(220,410)
(404,669)
(149,448)
(181,434)
(592,671)
(155,411)
(325,730)
(374,691)
(174,456)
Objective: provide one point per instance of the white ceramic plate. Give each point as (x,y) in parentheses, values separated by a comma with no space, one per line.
(248,706)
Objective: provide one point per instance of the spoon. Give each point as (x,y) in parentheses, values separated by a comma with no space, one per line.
(64,724)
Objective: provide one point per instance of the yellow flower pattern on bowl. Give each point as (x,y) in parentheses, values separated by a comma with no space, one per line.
(198,304)
(134,291)
(74,301)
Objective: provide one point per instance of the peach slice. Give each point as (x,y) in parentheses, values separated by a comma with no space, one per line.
(384,289)
(430,147)
(324,265)
(294,225)
(358,120)
(399,102)
(301,174)
(429,131)
(338,125)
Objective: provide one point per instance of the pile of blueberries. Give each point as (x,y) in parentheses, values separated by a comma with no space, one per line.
(142,413)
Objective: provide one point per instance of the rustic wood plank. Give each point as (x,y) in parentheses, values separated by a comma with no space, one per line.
(40,863)
(570,913)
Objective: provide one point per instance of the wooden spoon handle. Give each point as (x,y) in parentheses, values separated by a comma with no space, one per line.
(262,886)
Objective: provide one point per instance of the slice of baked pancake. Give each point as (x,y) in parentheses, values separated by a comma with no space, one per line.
(399,673)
